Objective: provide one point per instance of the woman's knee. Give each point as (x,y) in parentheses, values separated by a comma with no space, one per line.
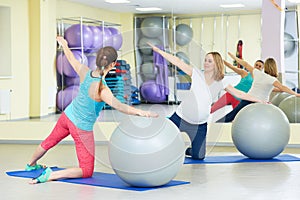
(87,172)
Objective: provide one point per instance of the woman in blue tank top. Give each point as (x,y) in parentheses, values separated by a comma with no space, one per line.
(79,117)
(244,85)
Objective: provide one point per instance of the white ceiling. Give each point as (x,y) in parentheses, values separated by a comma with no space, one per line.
(177,6)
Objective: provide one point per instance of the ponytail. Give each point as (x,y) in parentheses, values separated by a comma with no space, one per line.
(105,57)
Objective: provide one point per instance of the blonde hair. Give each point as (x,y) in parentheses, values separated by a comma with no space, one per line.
(219,69)
(270,67)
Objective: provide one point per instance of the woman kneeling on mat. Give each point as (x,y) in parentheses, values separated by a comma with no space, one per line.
(193,112)
(79,117)
(263,84)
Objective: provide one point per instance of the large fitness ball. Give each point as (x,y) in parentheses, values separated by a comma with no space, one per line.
(117,39)
(145,48)
(278,98)
(152,92)
(97,40)
(106,36)
(59,62)
(69,81)
(146,152)
(148,71)
(291,107)
(92,62)
(74,33)
(64,97)
(67,68)
(182,56)
(289,45)
(260,131)
(152,27)
(184,34)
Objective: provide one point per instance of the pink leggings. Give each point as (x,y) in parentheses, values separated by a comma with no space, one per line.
(224,100)
(84,143)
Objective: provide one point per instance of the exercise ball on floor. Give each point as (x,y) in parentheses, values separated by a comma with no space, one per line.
(117,39)
(65,96)
(291,107)
(152,27)
(145,48)
(67,68)
(146,152)
(260,131)
(276,100)
(184,34)
(73,36)
(151,92)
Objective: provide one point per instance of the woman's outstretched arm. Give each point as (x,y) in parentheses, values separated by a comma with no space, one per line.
(174,60)
(242,62)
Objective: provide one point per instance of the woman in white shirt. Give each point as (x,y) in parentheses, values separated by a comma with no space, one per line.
(262,86)
(192,114)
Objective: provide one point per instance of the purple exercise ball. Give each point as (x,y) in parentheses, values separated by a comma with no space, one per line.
(65,96)
(117,39)
(106,35)
(97,40)
(73,36)
(150,91)
(92,62)
(69,81)
(59,62)
(67,67)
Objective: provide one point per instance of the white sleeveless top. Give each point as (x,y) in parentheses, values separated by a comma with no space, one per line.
(262,85)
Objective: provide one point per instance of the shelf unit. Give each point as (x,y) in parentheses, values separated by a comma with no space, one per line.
(87,55)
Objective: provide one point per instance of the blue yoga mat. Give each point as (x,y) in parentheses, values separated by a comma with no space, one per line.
(239,159)
(99,179)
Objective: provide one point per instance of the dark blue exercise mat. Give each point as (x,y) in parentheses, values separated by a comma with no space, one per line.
(239,159)
(99,179)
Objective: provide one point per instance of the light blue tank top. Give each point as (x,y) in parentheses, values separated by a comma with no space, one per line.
(245,83)
(84,111)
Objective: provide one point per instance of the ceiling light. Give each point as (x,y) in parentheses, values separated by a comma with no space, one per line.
(232,5)
(117,1)
(148,9)
(294,1)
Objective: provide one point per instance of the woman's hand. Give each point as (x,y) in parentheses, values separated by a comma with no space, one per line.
(61,41)
(144,113)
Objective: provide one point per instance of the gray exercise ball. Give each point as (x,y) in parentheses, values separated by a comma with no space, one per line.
(148,71)
(184,34)
(182,56)
(146,152)
(260,131)
(152,27)
(145,48)
(276,100)
(289,45)
(291,107)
